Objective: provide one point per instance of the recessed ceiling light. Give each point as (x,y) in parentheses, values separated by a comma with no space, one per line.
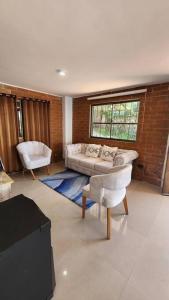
(65,272)
(61,72)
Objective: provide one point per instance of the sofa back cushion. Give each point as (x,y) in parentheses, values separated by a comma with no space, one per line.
(93,150)
(77,148)
(108,153)
(83,148)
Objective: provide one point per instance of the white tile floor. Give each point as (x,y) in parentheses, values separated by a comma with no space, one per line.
(133,265)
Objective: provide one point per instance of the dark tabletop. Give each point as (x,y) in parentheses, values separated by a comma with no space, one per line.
(19,217)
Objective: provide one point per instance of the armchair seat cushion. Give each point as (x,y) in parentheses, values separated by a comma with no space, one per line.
(37,161)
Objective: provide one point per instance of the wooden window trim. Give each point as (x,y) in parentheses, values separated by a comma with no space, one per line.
(110,123)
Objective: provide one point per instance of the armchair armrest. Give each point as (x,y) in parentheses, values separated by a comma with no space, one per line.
(47,151)
(25,159)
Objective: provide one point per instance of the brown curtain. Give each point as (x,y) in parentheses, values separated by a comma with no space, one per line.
(36,120)
(8,133)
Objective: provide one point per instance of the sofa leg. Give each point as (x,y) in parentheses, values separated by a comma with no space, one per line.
(125,205)
(83,206)
(108,223)
(33,175)
(47,169)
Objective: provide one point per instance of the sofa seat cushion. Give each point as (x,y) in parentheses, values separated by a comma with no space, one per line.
(104,166)
(76,158)
(89,162)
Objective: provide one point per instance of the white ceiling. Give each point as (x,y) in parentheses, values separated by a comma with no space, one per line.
(103,44)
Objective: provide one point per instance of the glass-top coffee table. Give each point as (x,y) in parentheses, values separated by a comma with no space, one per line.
(5,186)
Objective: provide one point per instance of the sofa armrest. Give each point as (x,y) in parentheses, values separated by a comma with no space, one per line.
(72,149)
(125,158)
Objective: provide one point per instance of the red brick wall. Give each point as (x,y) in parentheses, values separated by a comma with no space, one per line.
(153,130)
(55,115)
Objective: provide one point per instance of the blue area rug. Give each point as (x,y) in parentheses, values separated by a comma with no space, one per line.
(69,183)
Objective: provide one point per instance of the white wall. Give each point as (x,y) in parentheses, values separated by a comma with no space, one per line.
(67,120)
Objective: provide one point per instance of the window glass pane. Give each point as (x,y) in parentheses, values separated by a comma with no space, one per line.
(105,130)
(132,132)
(96,130)
(101,113)
(125,112)
(124,132)
(95,114)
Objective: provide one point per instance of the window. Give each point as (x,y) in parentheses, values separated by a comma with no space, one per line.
(20,119)
(115,120)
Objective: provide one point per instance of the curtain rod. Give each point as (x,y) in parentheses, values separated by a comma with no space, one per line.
(8,95)
(24,98)
(118,94)
(32,99)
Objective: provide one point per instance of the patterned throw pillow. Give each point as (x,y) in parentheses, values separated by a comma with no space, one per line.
(93,150)
(119,160)
(108,153)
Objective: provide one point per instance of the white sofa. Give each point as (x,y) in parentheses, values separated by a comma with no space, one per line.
(76,159)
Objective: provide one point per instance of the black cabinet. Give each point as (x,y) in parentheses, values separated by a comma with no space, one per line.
(26,260)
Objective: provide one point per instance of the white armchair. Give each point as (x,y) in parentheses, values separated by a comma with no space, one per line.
(34,155)
(108,190)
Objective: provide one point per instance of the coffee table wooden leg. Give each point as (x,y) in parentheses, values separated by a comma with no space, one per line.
(83,206)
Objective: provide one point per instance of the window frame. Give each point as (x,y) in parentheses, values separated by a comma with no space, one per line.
(110,123)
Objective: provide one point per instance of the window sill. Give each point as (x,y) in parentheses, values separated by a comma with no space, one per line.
(111,139)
